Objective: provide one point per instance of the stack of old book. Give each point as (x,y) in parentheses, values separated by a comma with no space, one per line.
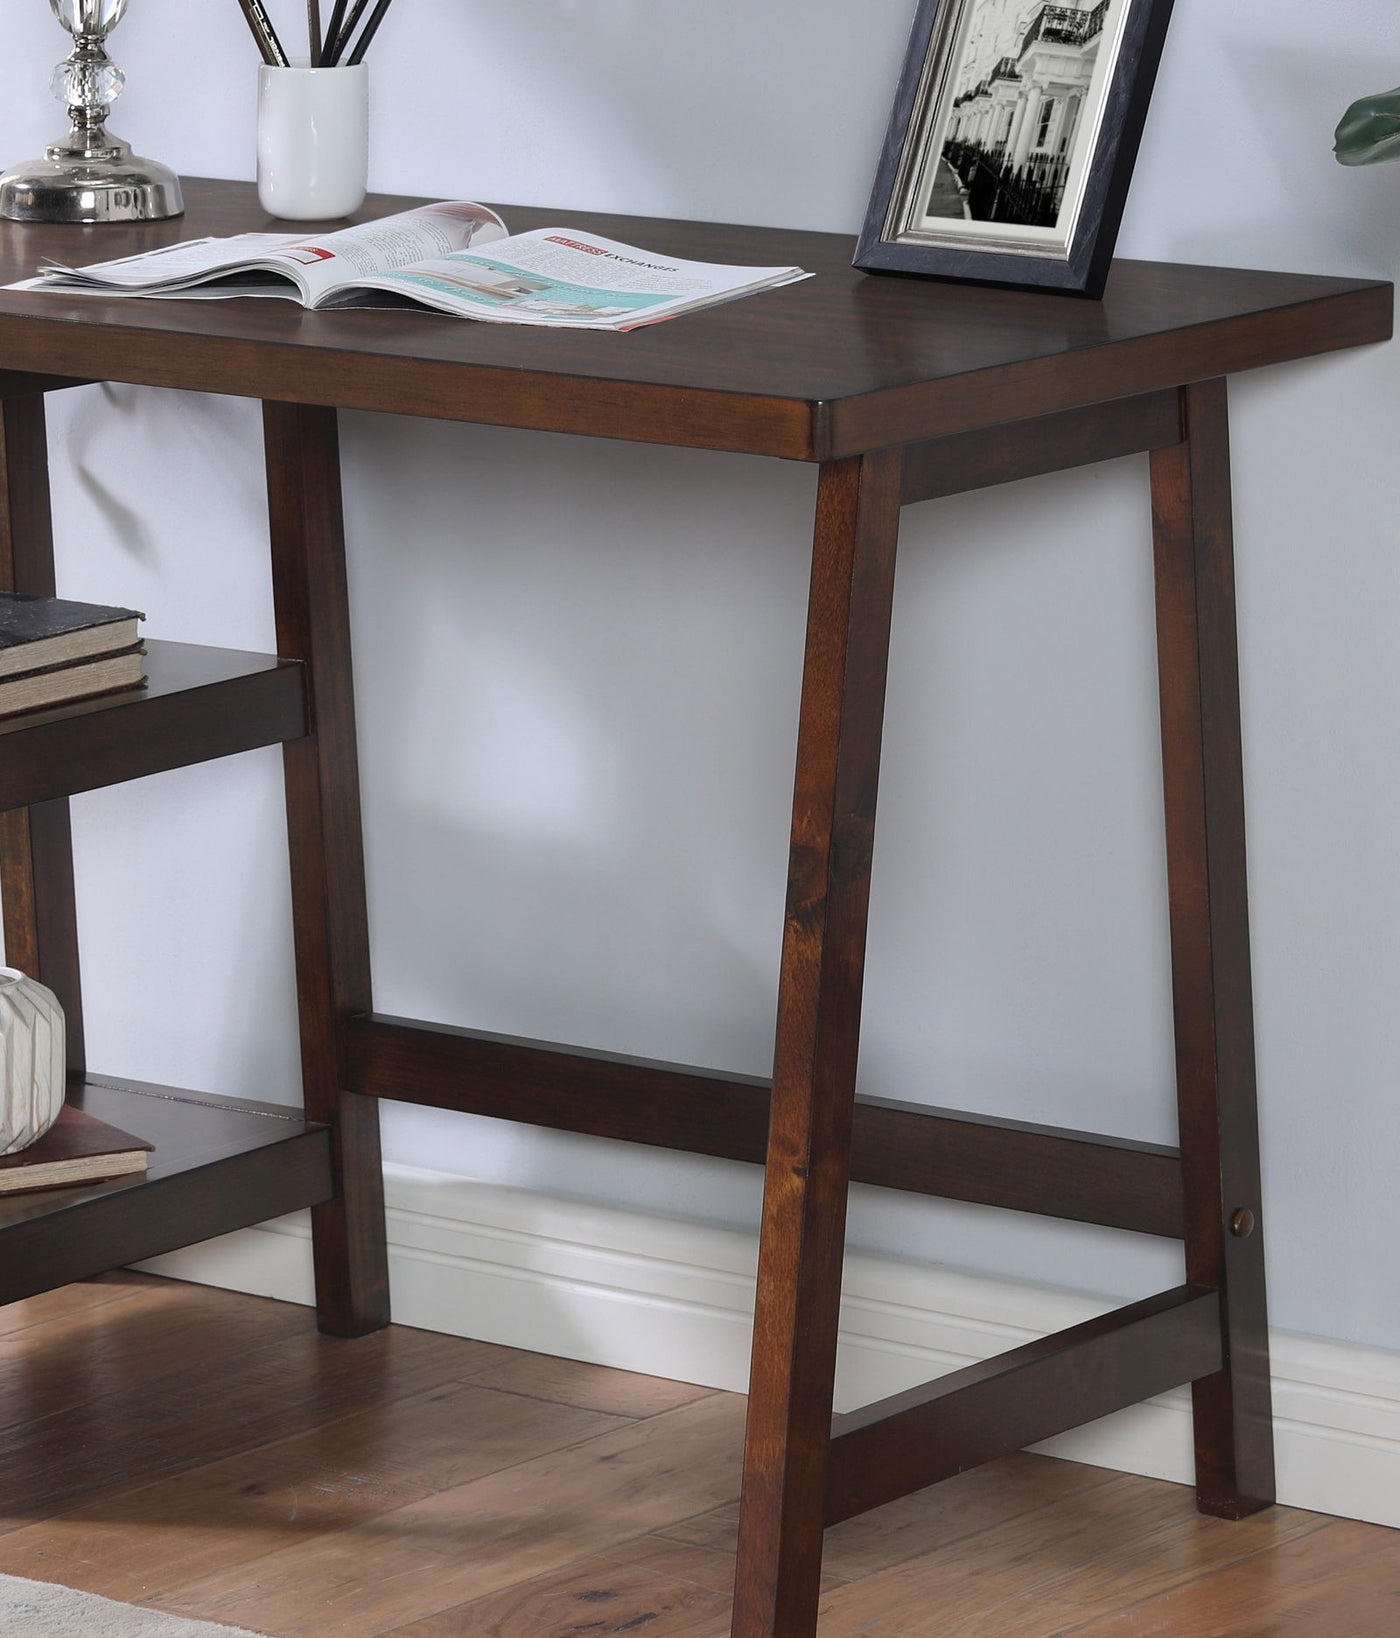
(78,1148)
(53,650)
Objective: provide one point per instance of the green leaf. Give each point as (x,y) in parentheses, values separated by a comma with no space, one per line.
(1370,130)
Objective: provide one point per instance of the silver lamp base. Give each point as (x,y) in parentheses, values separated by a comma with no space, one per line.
(102,182)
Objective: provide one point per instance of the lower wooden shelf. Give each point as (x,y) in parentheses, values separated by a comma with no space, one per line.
(219,1164)
(199,703)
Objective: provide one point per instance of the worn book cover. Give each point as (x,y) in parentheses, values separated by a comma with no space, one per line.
(45,631)
(77,1148)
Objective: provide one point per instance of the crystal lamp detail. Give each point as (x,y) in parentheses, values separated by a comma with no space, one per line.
(90,175)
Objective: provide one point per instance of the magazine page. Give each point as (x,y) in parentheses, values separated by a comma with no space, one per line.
(566,277)
(332,260)
(315,263)
(171,267)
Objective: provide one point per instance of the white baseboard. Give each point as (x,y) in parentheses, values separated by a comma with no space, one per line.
(674,1299)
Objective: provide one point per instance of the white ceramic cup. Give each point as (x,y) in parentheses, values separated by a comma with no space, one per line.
(313,141)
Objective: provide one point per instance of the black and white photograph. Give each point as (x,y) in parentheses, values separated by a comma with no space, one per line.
(1012,138)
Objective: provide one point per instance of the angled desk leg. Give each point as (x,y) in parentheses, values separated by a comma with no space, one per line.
(1204,795)
(327,856)
(36,845)
(809,1144)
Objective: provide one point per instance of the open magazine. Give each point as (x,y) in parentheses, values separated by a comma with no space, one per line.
(435,256)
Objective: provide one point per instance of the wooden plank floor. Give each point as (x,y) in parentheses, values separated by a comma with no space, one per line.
(208,1454)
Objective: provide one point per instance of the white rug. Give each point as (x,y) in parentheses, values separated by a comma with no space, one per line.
(33,1609)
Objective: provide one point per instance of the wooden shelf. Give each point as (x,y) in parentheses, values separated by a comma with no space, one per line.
(199,703)
(219,1164)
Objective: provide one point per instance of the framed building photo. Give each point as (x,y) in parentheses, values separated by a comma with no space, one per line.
(1012,141)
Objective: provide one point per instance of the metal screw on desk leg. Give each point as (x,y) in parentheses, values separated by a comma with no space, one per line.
(1242,1223)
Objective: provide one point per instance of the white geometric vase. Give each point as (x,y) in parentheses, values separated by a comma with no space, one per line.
(33,1060)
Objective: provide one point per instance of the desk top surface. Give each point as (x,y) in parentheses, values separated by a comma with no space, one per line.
(839,364)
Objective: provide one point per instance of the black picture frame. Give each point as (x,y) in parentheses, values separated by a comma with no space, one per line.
(1036,110)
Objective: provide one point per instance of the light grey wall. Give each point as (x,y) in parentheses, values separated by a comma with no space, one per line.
(578,661)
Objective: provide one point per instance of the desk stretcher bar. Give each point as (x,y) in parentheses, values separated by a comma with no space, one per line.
(899,1445)
(1044,1169)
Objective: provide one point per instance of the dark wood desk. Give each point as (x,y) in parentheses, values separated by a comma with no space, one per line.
(900,391)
